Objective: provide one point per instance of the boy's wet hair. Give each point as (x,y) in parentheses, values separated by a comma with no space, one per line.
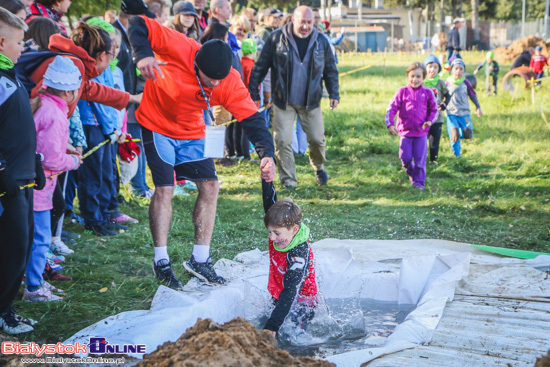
(284,213)
(9,20)
(417,65)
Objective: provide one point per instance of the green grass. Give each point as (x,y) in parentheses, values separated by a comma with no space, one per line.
(498,194)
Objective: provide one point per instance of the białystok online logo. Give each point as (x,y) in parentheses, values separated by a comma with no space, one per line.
(95,346)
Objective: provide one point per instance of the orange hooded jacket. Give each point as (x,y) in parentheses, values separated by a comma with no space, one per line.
(89,90)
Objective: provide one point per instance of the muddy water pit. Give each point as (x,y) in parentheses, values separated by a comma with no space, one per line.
(344,325)
(339,325)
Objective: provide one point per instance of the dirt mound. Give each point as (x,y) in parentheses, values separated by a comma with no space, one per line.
(543,361)
(509,54)
(236,343)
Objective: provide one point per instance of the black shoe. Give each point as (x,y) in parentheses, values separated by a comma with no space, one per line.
(163,272)
(98,230)
(203,271)
(12,323)
(321,177)
(112,226)
(23,319)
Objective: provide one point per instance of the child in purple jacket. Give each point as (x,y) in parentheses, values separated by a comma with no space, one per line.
(61,82)
(417,110)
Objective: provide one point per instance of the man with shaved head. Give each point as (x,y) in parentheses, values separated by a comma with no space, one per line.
(300,59)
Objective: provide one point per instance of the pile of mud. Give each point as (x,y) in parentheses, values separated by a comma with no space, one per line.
(509,54)
(543,361)
(236,343)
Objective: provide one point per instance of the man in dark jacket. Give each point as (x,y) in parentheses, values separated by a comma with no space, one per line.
(524,59)
(453,44)
(131,81)
(300,59)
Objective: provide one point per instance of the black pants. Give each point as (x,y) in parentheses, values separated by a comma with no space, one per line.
(236,142)
(434,136)
(491,85)
(58,203)
(16,236)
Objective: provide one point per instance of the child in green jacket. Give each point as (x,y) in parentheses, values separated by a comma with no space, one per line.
(491,73)
(441,93)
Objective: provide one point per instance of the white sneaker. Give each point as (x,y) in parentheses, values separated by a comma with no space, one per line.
(60,247)
(42,294)
(12,323)
(52,288)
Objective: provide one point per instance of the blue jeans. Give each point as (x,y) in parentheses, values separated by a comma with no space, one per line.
(40,245)
(539,76)
(461,123)
(299,139)
(95,179)
(138,183)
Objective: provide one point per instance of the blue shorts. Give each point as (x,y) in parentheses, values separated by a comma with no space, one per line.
(186,157)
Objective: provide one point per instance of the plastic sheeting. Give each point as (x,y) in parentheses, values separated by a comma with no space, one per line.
(422,272)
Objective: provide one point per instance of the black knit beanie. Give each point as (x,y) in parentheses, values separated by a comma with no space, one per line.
(214,59)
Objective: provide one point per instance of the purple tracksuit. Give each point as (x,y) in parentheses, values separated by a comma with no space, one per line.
(415,106)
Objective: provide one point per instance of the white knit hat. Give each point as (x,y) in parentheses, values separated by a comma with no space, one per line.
(62,74)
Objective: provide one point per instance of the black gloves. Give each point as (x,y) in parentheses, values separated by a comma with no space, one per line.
(8,186)
(40,179)
(136,7)
(442,106)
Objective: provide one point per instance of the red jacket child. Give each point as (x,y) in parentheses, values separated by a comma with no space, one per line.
(538,62)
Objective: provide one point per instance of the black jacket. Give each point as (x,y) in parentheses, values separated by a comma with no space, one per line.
(278,55)
(125,61)
(17,130)
(454,40)
(522,60)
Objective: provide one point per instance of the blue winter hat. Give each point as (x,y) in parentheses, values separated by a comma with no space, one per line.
(458,61)
(431,58)
(62,74)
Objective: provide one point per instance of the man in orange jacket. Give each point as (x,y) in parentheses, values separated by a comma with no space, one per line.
(185,78)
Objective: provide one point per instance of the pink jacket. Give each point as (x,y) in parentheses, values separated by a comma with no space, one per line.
(52,137)
(415,106)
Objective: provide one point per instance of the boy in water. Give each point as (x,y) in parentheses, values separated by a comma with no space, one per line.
(291,270)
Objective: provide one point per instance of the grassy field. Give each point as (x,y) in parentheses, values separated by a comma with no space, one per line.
(497,194)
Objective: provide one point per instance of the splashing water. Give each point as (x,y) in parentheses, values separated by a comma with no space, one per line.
(339,326)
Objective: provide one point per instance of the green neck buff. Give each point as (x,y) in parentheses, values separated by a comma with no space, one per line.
(455,81)
(431,82)
(5,63)
(113,63)
(300,237)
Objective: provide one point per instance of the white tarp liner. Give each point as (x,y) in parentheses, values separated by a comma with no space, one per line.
(422,272)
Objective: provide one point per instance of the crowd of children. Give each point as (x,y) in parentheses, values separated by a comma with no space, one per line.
(419,109)
(31,217)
